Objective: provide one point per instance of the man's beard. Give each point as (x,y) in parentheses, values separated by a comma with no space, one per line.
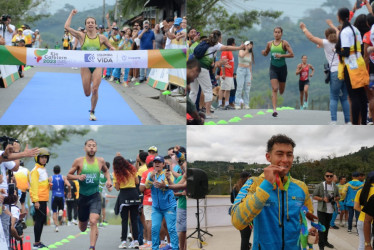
(91,154)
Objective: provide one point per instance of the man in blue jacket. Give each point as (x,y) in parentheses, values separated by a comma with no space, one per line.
(273,201)
(164,204)
(349,194)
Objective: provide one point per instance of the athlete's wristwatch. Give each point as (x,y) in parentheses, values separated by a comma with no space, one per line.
(367,244)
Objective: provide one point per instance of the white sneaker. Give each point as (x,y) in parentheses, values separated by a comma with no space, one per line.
(237,107)
(348,123)
(341,224)
(134,244)
(133,79)
(56,229)
(122,245)
(333,123)
(111,79)
(246,107)
(75,222)
(69,223)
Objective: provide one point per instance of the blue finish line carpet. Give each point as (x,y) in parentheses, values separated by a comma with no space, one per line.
(58,99)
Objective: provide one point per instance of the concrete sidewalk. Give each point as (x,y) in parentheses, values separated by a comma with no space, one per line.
(229,238)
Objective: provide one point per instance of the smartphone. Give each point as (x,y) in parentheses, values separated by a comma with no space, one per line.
(358,4)
(168,167)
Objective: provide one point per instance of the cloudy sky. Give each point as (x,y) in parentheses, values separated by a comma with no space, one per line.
(248,143)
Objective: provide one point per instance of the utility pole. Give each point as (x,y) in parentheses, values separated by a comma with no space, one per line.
(116,12)
(103,13)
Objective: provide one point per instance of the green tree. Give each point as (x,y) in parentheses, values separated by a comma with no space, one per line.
(23,10)
(41,136)
(130,8)
(206,15)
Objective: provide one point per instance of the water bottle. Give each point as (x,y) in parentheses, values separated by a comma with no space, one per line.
(371,82)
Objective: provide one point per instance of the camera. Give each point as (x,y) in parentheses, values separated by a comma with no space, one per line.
(331,199)
(4,18)
(20,226)
(5,140)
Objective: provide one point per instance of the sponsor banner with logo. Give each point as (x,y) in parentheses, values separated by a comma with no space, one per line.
(175,58)
(160,78)
(8,73)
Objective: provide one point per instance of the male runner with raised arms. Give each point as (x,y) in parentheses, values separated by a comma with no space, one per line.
(88,174)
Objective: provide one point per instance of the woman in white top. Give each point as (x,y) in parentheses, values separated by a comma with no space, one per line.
(336,86)
(348,48)
(244,75)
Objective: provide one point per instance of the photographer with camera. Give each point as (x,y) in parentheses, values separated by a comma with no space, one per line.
(327,194)
(10,146)
(7,29)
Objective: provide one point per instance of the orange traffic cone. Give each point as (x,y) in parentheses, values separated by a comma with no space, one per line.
(27,243)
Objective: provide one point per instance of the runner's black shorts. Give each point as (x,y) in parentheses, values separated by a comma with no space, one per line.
(57,204)
(88,205)
(302,85)
(279,73)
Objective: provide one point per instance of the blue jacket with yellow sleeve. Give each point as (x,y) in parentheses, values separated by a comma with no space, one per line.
(275,213)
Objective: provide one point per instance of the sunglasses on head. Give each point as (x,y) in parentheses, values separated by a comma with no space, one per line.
(329,176)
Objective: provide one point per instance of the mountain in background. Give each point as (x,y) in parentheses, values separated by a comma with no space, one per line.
(127,140)
(221,173)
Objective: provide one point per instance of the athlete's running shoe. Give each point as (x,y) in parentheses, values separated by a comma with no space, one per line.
(305,105)
(275,114)
(92,115)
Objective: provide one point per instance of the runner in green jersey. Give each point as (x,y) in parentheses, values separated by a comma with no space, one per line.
(90,41)
(88,170)
(279,50)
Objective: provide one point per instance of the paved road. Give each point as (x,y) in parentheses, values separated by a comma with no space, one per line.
(109,237)
(285,117)
(142,99)
(229,238)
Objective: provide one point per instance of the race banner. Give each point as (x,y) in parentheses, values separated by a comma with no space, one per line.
(8,74)
(160,78)
(168,58)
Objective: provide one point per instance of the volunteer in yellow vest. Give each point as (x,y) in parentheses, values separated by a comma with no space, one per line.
(362,196)
(88,170)
(39,193)
(352,67)
(89,41)
(23,183)
(18,37)
(279,50)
